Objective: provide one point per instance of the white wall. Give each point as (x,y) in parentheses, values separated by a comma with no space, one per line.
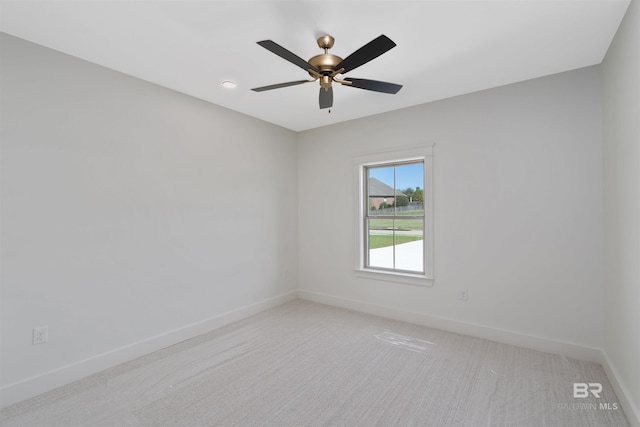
(621,77)
(518,213)
(129,211)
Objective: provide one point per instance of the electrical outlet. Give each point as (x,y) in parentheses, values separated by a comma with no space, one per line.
(40,335)
(463,295)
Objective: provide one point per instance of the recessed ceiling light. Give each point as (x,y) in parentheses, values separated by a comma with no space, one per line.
(229,84)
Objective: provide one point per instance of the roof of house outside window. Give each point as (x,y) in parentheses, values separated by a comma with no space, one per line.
(378,188)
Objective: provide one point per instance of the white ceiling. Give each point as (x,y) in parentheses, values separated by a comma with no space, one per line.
(444,48)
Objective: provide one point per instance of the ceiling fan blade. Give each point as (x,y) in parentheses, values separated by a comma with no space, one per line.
(366,53)
(279,85)
(326,98)
(285,54)
(374,85)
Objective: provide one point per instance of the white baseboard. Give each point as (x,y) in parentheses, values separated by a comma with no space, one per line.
(505,336)
(630,408)
(38,384)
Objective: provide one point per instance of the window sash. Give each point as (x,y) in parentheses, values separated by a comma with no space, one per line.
(367,218)
(395,265)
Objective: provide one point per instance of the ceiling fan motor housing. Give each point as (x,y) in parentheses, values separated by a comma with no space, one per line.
(325,62)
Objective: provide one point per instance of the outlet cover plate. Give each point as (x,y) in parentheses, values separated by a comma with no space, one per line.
(40,335)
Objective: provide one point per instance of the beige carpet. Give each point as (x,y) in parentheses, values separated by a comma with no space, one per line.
(307,364)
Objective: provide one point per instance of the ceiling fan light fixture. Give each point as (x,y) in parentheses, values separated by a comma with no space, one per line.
(326,67)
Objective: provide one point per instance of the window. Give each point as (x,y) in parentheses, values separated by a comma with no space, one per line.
(394,218)
(394,238)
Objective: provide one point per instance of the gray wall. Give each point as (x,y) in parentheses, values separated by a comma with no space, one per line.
(118,218)
(621,77)
(518,212)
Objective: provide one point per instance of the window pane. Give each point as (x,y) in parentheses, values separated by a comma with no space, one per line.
(409,244)
(409,185)
(380,236)
(380,190)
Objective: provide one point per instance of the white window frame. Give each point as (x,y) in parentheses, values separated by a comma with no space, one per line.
(360,162)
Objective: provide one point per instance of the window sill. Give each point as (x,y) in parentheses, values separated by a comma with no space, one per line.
(406,278)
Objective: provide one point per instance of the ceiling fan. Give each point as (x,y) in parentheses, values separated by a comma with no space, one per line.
(326,67)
